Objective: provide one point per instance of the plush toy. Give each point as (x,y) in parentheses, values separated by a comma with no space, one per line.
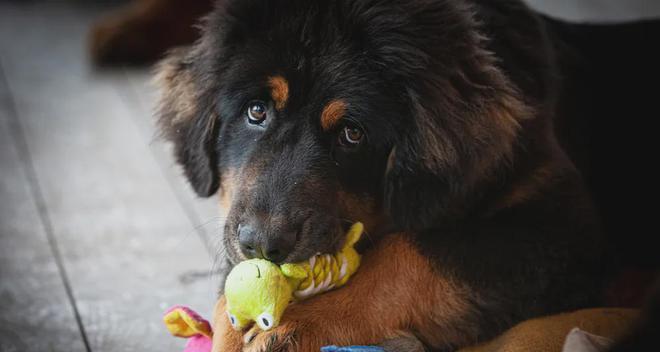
(258,290)
(185,322)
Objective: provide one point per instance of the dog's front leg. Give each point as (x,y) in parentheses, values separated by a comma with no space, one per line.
(396,291)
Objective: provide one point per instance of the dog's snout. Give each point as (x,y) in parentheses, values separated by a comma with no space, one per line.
(247,239)
(255,243)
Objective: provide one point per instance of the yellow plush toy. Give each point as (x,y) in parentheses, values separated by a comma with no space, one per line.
(258,290)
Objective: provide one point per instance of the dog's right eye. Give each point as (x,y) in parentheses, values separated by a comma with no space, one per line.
(350,136)
(257,112)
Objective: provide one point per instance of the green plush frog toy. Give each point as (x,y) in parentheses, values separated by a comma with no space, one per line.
(258,290)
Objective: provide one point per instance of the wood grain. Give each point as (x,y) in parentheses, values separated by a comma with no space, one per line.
(126,241)
(37,314)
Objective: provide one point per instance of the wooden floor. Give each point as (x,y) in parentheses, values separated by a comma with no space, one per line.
(99,234)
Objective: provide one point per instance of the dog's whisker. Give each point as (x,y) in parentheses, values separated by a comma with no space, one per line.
(219,267)
(210,221)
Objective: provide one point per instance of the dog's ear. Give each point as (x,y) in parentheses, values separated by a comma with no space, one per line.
(190,122)
(462,136)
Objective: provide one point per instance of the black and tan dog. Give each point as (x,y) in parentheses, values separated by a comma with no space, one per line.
(431,121)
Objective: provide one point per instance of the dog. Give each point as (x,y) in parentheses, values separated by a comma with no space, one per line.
(430,121)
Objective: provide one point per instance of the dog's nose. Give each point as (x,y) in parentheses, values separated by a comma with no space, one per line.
(255,244)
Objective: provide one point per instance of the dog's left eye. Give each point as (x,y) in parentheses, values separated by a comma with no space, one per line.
(350,136)
(257,112)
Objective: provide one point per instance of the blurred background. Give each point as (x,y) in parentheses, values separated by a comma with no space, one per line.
(99,233)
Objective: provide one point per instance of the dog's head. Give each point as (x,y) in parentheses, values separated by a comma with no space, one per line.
(310,115)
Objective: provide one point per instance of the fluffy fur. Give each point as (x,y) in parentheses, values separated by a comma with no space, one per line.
(477,219)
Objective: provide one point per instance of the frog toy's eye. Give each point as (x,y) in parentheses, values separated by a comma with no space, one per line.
(233,320)
(265,321)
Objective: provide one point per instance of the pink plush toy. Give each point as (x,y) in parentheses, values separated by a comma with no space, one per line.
(185,322)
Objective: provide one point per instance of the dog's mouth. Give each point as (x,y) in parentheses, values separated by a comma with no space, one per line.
(307,245)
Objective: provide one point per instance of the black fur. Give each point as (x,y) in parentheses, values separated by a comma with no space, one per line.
(457,99)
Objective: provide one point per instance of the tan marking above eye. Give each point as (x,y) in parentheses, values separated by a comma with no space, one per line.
(279,91)
(332,113)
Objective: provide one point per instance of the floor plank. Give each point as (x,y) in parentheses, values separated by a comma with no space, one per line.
(32,287)
(598,10)
(127,244)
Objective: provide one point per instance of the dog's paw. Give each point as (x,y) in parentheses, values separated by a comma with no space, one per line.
(284,338)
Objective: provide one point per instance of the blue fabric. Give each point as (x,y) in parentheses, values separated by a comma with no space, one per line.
(352,349)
